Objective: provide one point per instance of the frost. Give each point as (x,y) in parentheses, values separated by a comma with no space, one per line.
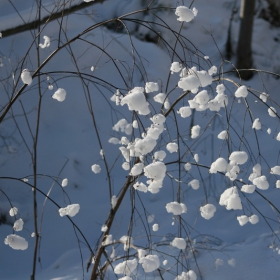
(257,124)
(18,225)
(172,147)
(64,182)
(272,111)
(261,182)
(160,98)
(187,166)
(195,131)
(126,267)
(220,165)
(176,208)
(59,95)
(159,155)
(140,187)
(26,77)
(151,87)
(275,170)
(190,275)
(155,227)
(230,199)
(239,157)
(223,135)
(71,210)
(47,42)
(13,211)
(150,263)
(126,166)
(263,96)
(254,219)
(241,92)
(95,168)
(16,242)
(123,126)
(185,14)
(185,111)
(243,220)
(136,169)
(248,188)
(179,243)
(136,101)
(194,184)
(207,211)
(114,201)
(175,67)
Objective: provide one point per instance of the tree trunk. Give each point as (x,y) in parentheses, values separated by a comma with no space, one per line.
(244,50)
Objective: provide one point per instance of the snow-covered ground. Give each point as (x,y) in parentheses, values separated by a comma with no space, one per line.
(68,147)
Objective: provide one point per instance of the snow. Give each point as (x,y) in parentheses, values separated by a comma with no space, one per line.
(275,170)
(272,112)
(207,211)
(47,42)
(160,155)
(243,220)
(190,275)
(151,87)
(194,184)
(179,243)
(230,199)
(176,208)
(175,67)
(13,211)
(126,267)
(140,187)
(195,131)
(26,77)
(261,182)
(257,124)
(172,147)
(219,165)
(160,98)
(187,166)
(59,95)
(70,210)
(185,111)
(95,168)
(241,92)
(238,157)
(16,242)
(64,182)
(18,225)
(155,227)
(223,135)
(254,219)
(248,188)
(185,14)
(150,263)
(137,169)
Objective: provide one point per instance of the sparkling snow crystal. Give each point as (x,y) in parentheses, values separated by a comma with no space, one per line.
(59,95)
(71,210)
(16,242)
(26,77)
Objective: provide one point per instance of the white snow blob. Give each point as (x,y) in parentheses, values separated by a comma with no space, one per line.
(64,182)
(185,14)
(13,211)
(16,242)
(176,208)
(242,220)
(150,263)
(195,131)
(47,42)
(194,184)
(71,210)
(241,92)
(26,77)
(172,147)
(126,267)
(95,168)
(230,199)
(179,243)
(151,87)
(18,225)
(59,95)
(190,275)
(207,211)
(185,111)
(257,124)
(272,112)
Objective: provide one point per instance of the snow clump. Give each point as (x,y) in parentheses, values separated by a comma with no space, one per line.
(136,169)
(16,242)
(127,241)
(71,210)
(126,165)
(185,112)
(176,208)
(241,92)
(194,184)
(248,188)
(136,101)
(114,140)
(140,187)
(272,112)
(239,157)
(254,219)
(13,211)
(18,225)
(160,155)
(190,275)
(257,124)
(219,165)
(150,263)
(185,14)
(223,135)
(261,182)
(59,95)
(126,267)
(26,77)
(151,87)
(123,126)
(195,131)
(275,170)
(172,147)
(64,182)
(263,96)
(179,243)
(155,227)
(47,42)
(256,172)
(230,199)
(95,168)
(175,67)
(187,166)
(160,98)
(243,220)
(207,211)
